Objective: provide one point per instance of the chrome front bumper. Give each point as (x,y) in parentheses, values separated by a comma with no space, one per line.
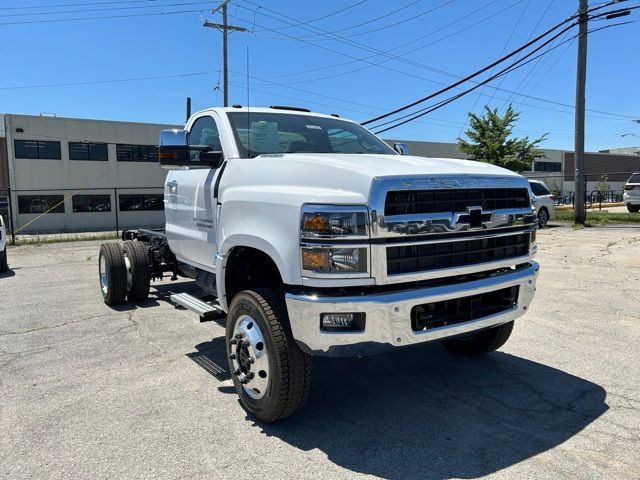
(388,315)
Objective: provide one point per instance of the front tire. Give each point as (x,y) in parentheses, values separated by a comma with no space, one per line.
(481,343)
(271,374)
(633,208)
(4,266)
(543,217)
(113,273)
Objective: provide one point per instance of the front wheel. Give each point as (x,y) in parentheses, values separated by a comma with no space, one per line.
(633,208)
(543,217)
(271,374)
(483,342)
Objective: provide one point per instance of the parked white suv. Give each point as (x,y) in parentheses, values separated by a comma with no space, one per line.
(3,247)
(631,196)
(544,202)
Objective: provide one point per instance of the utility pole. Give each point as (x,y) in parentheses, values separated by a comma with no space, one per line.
(581,80)
(224,28)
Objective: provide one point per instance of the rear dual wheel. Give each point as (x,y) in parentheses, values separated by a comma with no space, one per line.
(4,266)
(124,272)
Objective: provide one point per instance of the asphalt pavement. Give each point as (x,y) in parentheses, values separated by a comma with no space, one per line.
(142,391)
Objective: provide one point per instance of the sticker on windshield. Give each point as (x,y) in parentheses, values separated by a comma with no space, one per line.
(314,127)
(263,136)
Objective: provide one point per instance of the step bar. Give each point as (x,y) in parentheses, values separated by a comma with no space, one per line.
(206,311)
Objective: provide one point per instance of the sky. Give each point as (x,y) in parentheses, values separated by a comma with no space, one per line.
(138,60)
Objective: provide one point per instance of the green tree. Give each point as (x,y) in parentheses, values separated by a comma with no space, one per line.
(490,141)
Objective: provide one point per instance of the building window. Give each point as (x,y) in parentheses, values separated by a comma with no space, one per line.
(548,167)
(139,202)
(88,151)
(37,149)
(91,203)
(40,204)
(136,153)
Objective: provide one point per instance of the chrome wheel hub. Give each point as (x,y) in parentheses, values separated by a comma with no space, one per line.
(104,285)
(127,264)
(249,357)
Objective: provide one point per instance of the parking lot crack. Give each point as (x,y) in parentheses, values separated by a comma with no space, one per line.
(49,327)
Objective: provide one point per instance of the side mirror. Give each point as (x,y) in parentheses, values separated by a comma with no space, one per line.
(401,148)
(174,152)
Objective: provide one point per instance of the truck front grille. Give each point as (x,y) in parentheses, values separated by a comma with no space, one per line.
(406,202)
(458,310)
(434,256)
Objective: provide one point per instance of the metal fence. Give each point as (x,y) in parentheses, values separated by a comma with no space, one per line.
(601,192)
(81,213)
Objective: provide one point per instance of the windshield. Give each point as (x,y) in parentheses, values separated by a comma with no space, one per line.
(293,133)
(635,178)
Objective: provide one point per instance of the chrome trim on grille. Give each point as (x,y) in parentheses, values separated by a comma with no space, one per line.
(448,222)
(495,223)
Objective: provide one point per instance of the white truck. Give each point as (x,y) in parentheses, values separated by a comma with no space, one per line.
(317,238)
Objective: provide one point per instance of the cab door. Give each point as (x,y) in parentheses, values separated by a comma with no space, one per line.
(190,203)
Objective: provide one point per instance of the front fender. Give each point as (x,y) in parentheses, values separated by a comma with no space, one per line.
(268,227)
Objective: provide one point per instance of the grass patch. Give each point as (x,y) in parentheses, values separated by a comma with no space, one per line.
(600,218)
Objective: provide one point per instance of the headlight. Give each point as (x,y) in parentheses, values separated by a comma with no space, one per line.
(334,259)
(332,221)
(320,225)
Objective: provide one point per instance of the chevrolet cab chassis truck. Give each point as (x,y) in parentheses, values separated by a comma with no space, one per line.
(316,238)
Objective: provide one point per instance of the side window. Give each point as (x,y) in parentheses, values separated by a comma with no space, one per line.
(205,132)
(539,189)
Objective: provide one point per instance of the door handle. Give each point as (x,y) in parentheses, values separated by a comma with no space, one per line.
(173,186)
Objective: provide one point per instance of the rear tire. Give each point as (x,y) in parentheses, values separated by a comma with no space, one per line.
(138,257)
(113,273)
(483,342)
(262,353)
(4,266)
(633,208)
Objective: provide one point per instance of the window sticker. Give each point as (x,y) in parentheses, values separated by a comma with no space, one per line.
(314,127)
(263,137)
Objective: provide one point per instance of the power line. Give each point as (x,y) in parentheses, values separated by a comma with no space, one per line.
(484,69)
(136,7)
(332,35)
(474,74)
(336,12)
(33,7)
(516,64)
(368,21)
(426,110)
(411,42)
(103,17)
(379,64)
(96,82)
(504,47)
(378,29)
(541,60)
(369,64)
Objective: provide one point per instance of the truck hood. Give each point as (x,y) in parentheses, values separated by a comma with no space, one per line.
(344,178)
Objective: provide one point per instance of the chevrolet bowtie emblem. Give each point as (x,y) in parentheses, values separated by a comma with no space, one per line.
(475,217)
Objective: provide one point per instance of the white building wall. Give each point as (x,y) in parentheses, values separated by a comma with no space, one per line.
(68,177)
